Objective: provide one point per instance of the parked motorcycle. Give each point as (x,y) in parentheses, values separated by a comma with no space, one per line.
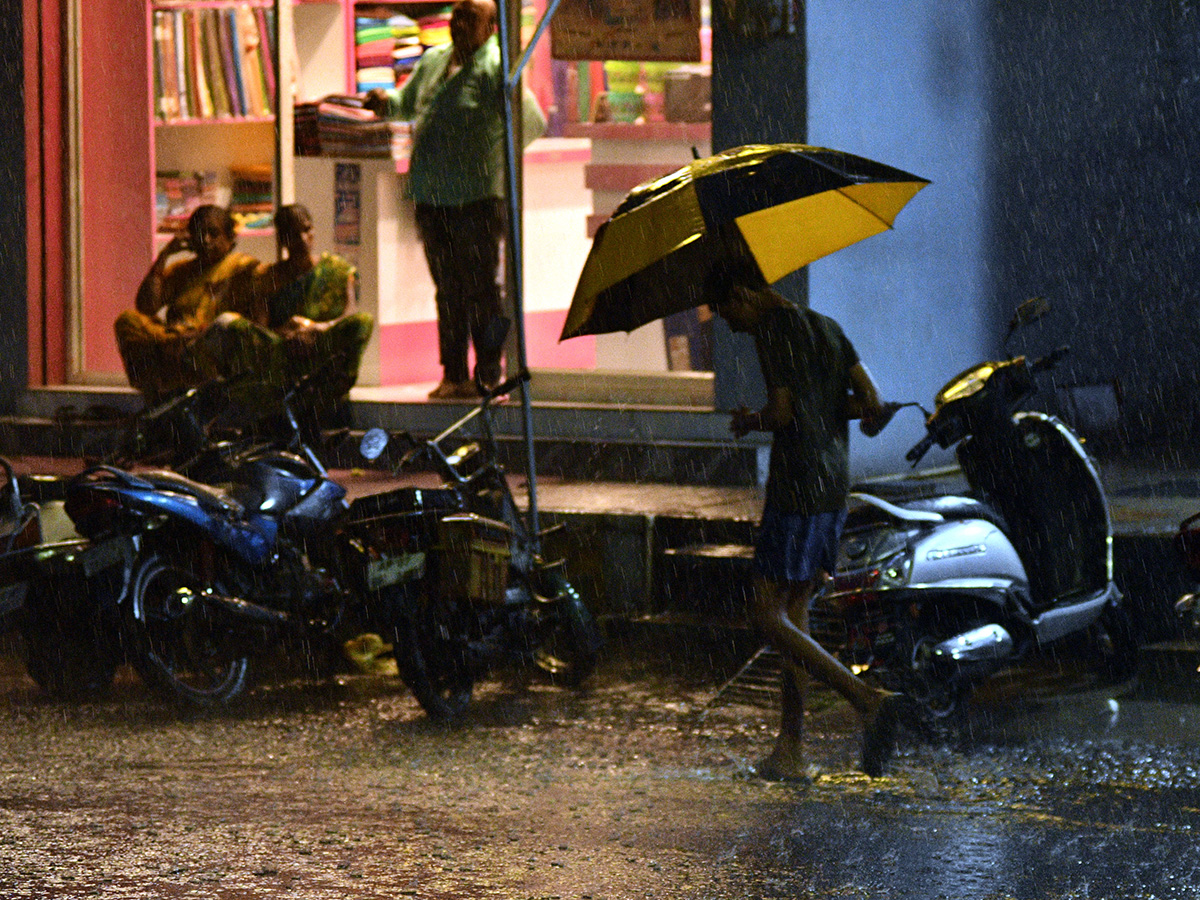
(223,574)
(478,593)
(277,559)
(55,587)
(932,596)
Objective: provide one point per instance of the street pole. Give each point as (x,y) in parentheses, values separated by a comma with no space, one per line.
(510,47)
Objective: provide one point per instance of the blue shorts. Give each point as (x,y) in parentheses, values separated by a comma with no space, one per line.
(793,547)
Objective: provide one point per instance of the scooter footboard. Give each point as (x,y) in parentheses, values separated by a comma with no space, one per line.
(1069,618)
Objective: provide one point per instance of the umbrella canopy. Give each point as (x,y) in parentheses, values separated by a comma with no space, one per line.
(788,204)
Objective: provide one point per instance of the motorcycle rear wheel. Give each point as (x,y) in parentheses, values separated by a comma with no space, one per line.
(442,685)
(571,650)
(180,648)
(66,653)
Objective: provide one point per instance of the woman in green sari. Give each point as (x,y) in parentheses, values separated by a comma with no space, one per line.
(303,316)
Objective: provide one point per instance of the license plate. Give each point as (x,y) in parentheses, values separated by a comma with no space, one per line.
(389,570)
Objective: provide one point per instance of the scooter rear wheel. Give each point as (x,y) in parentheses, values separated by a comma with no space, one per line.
(940,697)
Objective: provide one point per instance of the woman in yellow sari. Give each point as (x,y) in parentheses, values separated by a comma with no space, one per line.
(178,301)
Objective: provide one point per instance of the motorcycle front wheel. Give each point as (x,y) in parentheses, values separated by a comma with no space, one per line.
(433,671)
(178,645)
(571,649)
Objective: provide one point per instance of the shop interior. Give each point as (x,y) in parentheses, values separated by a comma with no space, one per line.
(277,120)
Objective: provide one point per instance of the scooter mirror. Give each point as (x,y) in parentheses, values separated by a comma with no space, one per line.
(373,443)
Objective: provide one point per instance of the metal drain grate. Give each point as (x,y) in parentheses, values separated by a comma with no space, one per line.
(755,684)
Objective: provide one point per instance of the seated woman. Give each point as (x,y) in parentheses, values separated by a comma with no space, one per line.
(178,301)
(303,316)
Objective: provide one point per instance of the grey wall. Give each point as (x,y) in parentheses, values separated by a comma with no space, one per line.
(1062,143)
(13,354)
(901,82)
(1096,199)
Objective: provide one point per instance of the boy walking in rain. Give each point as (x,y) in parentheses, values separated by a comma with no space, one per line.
(815,385)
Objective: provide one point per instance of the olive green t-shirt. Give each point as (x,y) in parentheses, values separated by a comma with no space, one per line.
(808,354)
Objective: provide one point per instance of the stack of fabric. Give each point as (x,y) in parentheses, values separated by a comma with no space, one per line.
(407,34)
(342,126)
(253,188)
(435,28)
(374,44)
(304,129)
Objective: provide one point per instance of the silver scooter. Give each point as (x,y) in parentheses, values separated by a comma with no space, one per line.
(933,595)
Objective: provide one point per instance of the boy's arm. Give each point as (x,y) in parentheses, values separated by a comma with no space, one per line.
(864,403)
(776,414)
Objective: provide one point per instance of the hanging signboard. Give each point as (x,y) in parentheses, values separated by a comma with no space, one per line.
(667,30)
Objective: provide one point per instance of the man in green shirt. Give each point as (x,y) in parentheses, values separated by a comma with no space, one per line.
(456,179)
(815,385)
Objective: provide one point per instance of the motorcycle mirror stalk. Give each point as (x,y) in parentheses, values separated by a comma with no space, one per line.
(1028,312)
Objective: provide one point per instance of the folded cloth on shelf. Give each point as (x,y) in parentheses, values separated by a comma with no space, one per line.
(367,30)
(382,47)
(376,76)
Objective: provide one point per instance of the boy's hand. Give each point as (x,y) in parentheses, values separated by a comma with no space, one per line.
(376,101)
(743,422)
(872,424)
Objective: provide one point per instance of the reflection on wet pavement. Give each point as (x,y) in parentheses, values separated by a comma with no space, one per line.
(634,788)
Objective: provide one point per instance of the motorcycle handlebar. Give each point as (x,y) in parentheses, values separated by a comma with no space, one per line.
(919,449)
(507,386)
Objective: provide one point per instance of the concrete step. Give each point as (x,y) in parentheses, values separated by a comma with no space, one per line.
(658,460)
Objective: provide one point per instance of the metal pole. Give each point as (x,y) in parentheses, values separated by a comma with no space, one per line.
(285,176)
(510,40)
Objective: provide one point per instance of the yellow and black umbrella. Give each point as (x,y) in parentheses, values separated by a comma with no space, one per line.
(791,204)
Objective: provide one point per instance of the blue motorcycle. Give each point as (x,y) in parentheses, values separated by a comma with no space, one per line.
(222,573)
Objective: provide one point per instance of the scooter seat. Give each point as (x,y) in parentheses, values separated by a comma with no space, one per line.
(954,508)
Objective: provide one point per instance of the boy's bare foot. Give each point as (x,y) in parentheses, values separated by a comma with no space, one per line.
(879,733)
(785,765)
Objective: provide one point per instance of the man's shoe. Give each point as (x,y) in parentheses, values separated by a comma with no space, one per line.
(879,734)
(452,390)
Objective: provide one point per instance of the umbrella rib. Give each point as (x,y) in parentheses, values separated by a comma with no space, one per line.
(824,165)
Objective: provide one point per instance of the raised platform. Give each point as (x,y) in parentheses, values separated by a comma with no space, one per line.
(616,427)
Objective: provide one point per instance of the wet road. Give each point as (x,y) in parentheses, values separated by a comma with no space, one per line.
(636,788)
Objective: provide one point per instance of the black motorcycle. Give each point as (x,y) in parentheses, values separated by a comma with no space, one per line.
(477,593)
(57,588)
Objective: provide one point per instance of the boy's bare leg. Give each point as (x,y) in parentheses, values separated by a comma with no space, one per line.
(787,760)
(781,614)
